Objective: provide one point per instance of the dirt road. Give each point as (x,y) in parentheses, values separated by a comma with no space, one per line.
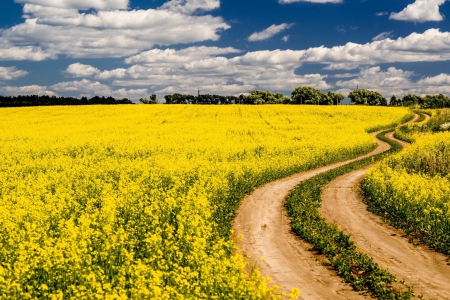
(419,266)
(276,251)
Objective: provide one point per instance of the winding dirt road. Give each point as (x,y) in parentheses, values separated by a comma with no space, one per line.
(271,246)
(419,266)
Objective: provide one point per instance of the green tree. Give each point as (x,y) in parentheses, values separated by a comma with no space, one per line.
(411,100)
(153,99)
(335,97)
(310,95)
(144,101)
(393,101)
(366,97)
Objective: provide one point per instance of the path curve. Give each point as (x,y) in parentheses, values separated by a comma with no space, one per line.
(419,266)
(270,245)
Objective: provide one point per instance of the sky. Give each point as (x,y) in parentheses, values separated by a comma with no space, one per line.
(134,48)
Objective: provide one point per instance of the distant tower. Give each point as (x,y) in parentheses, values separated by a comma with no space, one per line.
(199,92)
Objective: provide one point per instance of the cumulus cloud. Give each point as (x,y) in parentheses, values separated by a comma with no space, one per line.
(91,88)
(79,4)
(285,38)
(179,56)
(382,36)
(269,32)
(433,85)
(312,1)
(420,11)
(55,28)
(191,6)
(79,89)
(31,53)
(170,70)
(11,73)
(432,45)
(393,81)
(441,79)
(26,90)
(81,70)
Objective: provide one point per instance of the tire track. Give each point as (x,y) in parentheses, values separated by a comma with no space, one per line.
(419,266)
(269,244)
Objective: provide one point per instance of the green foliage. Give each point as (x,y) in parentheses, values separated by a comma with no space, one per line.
(335,97)
(152,100)
(45,100)
(366,97)
(310,95)
(437,123)
(355,268)
(265,97)
(435,101)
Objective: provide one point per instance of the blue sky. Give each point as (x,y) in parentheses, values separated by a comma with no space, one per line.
(133,48)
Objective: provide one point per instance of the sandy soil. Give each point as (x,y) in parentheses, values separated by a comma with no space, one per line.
(419,266)
(271,246)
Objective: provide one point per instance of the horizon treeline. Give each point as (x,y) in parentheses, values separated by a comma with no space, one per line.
(303,95)
(35,100)
(311,96)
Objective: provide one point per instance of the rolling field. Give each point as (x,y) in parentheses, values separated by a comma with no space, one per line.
(131,202)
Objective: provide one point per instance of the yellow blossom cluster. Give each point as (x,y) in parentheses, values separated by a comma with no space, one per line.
(136,202)
(412,190)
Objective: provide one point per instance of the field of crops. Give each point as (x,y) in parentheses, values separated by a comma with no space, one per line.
(132,202)
(412,190)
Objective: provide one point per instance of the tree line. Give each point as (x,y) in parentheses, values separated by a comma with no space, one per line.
(309,95)
(35,100)
(301,95)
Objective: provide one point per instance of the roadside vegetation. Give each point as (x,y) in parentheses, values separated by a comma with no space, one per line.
(411,190)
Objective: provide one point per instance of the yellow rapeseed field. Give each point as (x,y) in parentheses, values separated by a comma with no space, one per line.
(136,202)
(412,190)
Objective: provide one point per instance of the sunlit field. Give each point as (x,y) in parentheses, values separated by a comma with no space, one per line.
(136,202)
(412,190)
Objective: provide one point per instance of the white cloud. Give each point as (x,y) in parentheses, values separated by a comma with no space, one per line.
(382,13)
(49,31)
(342,66)
(32,10)
(26,90)
(346,75)
(441,79)
(382,36)
(312,1)
(170,70)
(10,73)
(80,70)
(390,82)
(32,53)
(395,81)
(269,32)
(285,38)
(79,4)
(420,11)
(432,45)
(179,56)
(91,88)
(191,6)
(439,84)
